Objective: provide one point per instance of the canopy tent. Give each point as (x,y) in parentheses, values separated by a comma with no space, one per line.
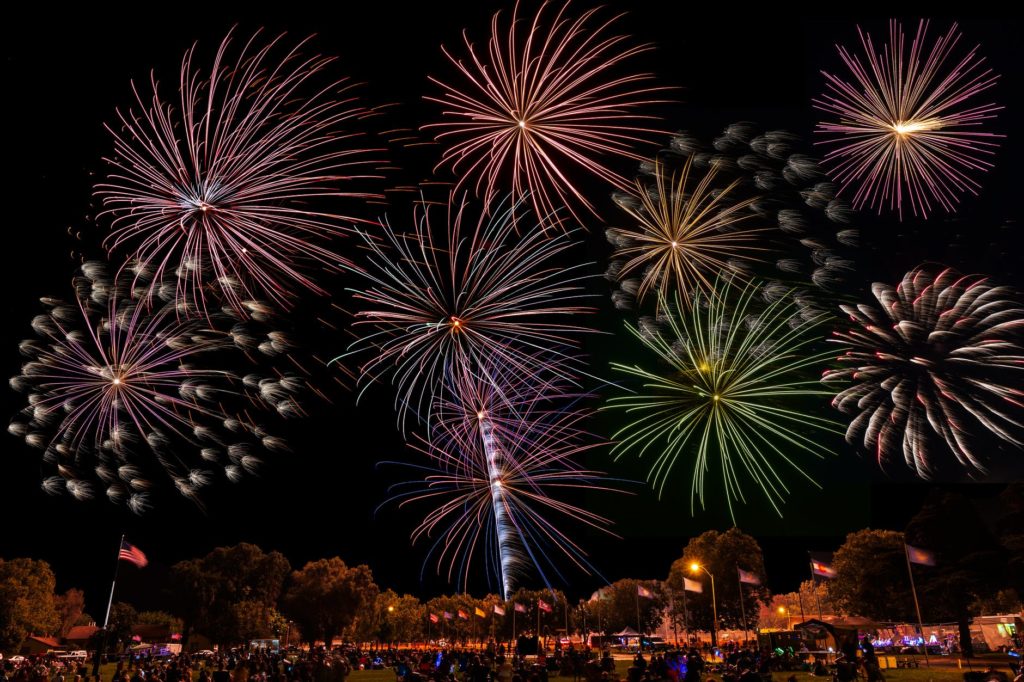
(839,635)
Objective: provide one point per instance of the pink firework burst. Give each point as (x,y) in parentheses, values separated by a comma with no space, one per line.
(541,104)
(907,128)
(226,187)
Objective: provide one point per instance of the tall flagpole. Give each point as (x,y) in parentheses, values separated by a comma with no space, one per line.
(686,617)
(743,609)
(640,634)
(102,644)
(917,605)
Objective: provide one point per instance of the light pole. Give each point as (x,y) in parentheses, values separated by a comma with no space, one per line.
(784,610)
(391,610)
(694,568)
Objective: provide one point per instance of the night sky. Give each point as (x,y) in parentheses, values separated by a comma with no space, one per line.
(64,76)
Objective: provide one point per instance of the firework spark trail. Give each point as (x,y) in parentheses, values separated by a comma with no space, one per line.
(482,295)
(500,450)
(114,386)
(907,128)
(723,392)
(940,356)
(227,188)
(538,107)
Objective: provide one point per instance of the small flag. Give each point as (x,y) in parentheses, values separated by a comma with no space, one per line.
(447,615)
(543,606)
(479,612)
(692,585)
(520,608)
(644,592)
(434,618)
(499,610)
(463,615)
(916,555)
(822,569)
(130,552)
(748,577)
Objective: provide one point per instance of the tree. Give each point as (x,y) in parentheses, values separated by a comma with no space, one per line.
(970,565)
(722,554)
(255,620)
(526,623)
(326,596)
(171,622)
(472,627)
(229,590)
(392,618)
(810,601)
(1009,527)
(70,607)
(621,605)
(123,619)
(871,577)
(27,603)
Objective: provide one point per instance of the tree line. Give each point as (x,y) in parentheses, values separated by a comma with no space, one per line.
(235,594)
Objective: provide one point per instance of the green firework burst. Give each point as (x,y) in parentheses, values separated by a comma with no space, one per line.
(735,373)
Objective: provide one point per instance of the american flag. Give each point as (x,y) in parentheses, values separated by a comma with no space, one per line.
(130,552)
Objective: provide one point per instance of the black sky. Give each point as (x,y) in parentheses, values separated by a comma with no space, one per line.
(65,74)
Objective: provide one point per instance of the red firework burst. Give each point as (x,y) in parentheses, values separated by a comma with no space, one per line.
(536,106)
(227,186)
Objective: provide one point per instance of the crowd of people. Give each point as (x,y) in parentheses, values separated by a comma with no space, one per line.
(495,663)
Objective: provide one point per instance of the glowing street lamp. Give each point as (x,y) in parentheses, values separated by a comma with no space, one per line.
(784,611)
(696,568)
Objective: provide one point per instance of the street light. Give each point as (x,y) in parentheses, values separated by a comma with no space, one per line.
(694,568)
(784,610)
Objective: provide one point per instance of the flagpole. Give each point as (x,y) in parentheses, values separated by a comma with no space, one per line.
(917,605)
(567,619)
(538,625)
(639,630)
(102,644)
(686,617)
(743,609)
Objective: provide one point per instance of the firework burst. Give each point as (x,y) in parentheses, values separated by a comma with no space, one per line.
(683,232)
(938,361)
(115,388)
(749,204)
(541,103)
(500,461)
(227,186)
(726,399)
(907,127)
(477,296)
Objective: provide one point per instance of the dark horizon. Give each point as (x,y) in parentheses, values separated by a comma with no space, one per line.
(320,500)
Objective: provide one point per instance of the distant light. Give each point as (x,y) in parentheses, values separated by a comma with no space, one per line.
(694,567)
